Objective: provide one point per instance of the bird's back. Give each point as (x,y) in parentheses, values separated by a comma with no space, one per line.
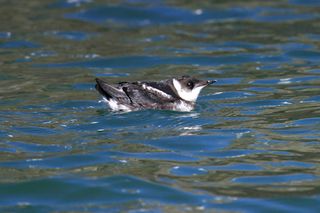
(137,95)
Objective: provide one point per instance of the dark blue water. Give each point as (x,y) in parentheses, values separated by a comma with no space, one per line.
(251,145)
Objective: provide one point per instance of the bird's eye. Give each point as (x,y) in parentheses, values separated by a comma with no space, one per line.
(190,84)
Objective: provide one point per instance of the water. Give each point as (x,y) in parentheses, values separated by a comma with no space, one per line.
(251,145)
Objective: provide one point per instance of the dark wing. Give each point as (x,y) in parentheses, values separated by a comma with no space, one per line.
(111,92)
(164,86)
(141,96)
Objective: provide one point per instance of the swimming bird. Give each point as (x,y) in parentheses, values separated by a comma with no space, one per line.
(178,94)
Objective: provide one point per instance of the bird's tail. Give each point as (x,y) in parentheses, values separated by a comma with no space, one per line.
(108,91)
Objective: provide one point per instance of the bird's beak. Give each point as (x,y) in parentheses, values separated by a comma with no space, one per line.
(206,83)
(211,82)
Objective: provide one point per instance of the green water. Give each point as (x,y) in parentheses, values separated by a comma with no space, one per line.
(251,144)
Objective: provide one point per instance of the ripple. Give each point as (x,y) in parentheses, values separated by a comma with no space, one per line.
(19,44)
(192,143)
(62,162)
(167,156)
(39,131)
(292,164)
(274,179)
(31,147)
(137,16)
(235,167)
(70,35)
(232,153)
(251,144)
(305,2)
(232,95)
(188,171)
(149,61)
(305,54)
(103,190)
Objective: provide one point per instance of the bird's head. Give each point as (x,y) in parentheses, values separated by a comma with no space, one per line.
(188,88)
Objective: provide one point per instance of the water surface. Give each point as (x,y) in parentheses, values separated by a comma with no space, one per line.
(250,145)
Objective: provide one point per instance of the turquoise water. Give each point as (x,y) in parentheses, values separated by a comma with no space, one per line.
(251,145)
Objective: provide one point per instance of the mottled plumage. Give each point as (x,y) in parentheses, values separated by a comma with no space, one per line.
(172,94)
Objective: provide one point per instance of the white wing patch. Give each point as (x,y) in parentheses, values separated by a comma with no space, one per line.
(155,90)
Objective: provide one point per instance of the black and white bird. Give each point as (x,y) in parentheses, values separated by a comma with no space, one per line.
(178,94)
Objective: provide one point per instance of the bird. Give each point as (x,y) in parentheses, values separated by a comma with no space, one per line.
(176,94)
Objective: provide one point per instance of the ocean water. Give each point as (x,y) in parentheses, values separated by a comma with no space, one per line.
(251,145)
